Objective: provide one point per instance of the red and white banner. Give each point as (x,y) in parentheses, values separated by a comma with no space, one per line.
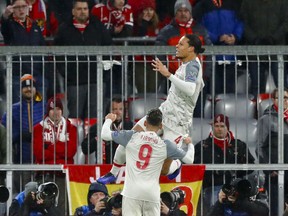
(79,177)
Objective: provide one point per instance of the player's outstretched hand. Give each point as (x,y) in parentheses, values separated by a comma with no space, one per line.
(158,66)
(111,116)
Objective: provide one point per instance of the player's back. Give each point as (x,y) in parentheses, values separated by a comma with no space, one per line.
(145,155)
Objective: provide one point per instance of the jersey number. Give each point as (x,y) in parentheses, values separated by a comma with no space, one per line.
(144,156)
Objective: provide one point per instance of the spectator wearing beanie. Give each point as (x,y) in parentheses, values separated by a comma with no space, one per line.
(55,142)
(218,148)
(146,22)
(96,193)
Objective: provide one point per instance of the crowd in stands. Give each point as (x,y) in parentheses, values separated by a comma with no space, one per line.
(41,132)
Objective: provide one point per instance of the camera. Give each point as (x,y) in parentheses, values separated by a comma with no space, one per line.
(47,192)
(173,198)
(110,202)
(4,194)
(240,188)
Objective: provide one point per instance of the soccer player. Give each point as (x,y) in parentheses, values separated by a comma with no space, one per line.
(178,109)
(145,155)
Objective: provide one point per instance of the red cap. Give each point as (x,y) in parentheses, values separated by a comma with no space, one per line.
(53,103)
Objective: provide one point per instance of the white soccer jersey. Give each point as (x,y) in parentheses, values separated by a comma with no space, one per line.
(179,107)
(145,155)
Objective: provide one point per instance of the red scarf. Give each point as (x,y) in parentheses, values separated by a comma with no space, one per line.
(185,28)
(223,143)
(285,113)
(80,26)
(53,133)
(27,24)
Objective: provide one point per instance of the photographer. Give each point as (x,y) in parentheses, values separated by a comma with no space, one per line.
(36,201)
(237,199)
(99,203)
(170,202)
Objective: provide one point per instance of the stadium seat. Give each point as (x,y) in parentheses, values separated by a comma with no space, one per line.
(246,131)
(200,129)
(236,106)
(139,107)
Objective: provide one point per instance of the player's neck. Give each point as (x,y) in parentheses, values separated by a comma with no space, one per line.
(188,58)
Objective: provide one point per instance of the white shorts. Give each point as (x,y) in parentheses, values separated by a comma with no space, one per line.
(133,207)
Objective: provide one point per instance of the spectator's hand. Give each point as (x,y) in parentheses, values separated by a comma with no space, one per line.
(274,174)
(164,209)
(221,196)
(99,206)
(158,66)
(111,116)
(118,29)
(116,211)
(8,11)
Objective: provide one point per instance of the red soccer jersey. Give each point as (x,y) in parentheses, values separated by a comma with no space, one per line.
(112,17)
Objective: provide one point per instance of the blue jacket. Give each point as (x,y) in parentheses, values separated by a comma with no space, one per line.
(219,21)
(20,127)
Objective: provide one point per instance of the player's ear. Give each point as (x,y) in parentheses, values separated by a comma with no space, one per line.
(160,126)
(145,123)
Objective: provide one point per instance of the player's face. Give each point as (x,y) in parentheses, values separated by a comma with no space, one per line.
(117,108)
(220,130)
(81,12)
(183,15)
(55,115)
(20,9)
(119,4)
(96,197)
(285,100)
(182,48)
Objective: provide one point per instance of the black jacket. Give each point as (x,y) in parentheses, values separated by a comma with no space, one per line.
(91,136)
(233,153)
(95,34)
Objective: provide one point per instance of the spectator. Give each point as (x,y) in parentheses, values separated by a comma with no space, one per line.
(145,152)
(18,29)
(25,114)
(238,199)
(89,144)
(55,142)
(268,145)
(254,16)
(37,12)
(117,17)
(220,147)
(36,200)
(81,31)
(286,205)
(221,19)
(97,198)
(146,19)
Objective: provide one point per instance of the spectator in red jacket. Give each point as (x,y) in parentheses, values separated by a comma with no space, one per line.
(117,17)
(55,142)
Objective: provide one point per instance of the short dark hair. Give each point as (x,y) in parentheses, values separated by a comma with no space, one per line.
(154,117)
(195,41)
(116,99)
(273,94)
(76,1)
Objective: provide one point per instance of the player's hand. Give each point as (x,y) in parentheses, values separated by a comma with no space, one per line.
(111,116)
(187,140)
(158,66)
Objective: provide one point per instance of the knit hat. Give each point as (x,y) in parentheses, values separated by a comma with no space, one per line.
(221,118)
(27,80)
(53,103)
(182,4)
(30,187)
(139,6)
(96,187)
